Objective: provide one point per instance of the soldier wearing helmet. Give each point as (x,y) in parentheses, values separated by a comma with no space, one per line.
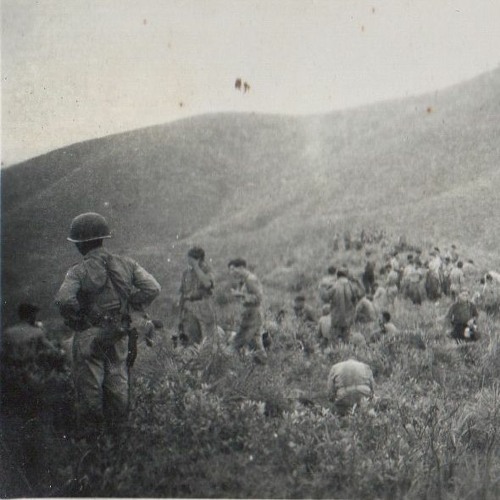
(97,299)
(343,302)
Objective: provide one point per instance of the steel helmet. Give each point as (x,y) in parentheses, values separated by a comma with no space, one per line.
(88,227)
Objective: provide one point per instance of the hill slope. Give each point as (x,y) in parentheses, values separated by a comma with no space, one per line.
(266,187)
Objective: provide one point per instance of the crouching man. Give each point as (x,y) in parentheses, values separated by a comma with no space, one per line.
(349,383)
(462,316)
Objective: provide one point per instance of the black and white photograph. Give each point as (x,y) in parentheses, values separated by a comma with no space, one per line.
(250,249)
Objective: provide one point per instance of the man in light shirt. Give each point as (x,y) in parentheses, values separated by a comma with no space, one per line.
(349,383)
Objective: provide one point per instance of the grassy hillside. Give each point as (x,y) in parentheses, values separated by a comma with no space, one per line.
(271,188)
(206,423)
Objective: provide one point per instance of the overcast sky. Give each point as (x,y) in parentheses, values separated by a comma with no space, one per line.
(79,69)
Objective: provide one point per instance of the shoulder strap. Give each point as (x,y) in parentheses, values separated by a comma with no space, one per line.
(122,288)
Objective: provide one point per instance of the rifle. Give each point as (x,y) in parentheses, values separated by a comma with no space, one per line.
(132,347)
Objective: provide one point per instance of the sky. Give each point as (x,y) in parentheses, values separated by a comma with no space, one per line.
(74,70)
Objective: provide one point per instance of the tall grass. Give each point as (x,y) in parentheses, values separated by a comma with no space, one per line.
(205,423)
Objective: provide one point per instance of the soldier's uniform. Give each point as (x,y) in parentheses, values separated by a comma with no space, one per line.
(412,284)
(392,286)
(381,299)
(324,327)
(23,341)
(343,302)
(198,313)
(457,281)
(27,359)
(445,276)
(33,395)
(368,277)
(490,297)
(96,299)
(433,285)
(348,383)
(460,315)
(249,332)
(454,254)
(395,265)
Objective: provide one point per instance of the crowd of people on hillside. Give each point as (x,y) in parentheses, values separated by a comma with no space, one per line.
(349,301)
(104,299)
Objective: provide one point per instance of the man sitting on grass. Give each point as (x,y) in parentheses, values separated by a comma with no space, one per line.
(386,327)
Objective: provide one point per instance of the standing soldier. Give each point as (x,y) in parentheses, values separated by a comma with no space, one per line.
(445,281)
(343,303)
(380,298)
(392,284)
(454,253)
(347,240)
(197,316)
(336,242)
(412,284)
(368,276)
(394,261)
(457,280)
(249,290)
(324,326)
(326,285)
(96,299)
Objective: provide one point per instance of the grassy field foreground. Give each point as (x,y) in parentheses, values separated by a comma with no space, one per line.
(212,425)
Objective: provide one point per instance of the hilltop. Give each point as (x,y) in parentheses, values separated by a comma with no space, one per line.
(272,188)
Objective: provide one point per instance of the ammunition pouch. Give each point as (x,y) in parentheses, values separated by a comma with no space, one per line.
(114,326)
